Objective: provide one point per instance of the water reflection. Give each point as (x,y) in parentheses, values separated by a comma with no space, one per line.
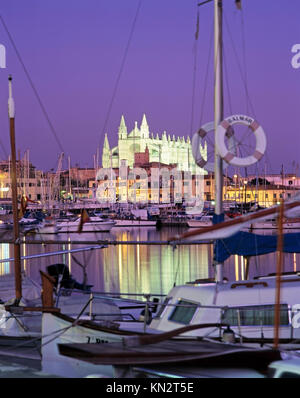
(140,268)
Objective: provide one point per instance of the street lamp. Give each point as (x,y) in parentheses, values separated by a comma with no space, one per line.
(235,178)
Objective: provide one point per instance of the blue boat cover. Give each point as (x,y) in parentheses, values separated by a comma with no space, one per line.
(248,244)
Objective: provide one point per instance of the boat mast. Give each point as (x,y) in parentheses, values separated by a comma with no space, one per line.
(218,114)
(17,249)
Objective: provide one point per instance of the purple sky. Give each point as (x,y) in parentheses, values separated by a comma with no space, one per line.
(73,50)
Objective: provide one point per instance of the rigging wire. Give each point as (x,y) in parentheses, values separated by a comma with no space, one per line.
(243,77)
(121,70)
(4,150)
(195,51)
(32,85)
(206,75)
(244,56)
(227,82)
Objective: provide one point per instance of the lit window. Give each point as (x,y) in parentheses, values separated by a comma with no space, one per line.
(258,315)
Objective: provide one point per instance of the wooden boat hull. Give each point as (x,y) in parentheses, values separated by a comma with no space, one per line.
(179,351)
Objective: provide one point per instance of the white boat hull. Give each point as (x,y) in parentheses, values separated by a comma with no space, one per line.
(135,223)
(64,366)
(97,226)
(199,224)
(53,229)
(274,225)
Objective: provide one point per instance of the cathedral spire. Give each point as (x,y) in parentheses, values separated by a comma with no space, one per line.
(106,143)
(122,129)
(144,121)
(105,152)
(144,127)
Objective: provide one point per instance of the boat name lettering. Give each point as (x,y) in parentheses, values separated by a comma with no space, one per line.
(92,339)
(238,118)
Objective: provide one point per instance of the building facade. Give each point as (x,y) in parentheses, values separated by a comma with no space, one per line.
(165,149)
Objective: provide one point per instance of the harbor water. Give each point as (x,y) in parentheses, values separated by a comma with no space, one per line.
(137,268)
(128,268)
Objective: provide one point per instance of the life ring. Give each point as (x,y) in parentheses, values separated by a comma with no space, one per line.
(226,153)
(197,140)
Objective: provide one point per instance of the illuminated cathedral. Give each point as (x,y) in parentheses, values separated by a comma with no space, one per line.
(164,149)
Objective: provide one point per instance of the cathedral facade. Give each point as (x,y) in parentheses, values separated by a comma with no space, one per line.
(165,149)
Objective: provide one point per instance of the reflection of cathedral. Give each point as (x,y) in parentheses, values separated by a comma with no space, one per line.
(165,150)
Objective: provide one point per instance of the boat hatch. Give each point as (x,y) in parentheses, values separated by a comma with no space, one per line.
(283,275)
(162,307)
(255,315)
(184,311)
(248,284)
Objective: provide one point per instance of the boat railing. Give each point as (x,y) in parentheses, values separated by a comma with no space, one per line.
(259,316)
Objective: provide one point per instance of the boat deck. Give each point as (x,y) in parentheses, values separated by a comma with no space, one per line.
(171,351)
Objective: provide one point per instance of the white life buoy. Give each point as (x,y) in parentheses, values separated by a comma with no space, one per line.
(197,140)
(227,154)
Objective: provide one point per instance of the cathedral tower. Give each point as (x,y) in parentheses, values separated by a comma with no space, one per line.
(106,153)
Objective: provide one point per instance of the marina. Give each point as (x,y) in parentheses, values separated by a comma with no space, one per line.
(172,257)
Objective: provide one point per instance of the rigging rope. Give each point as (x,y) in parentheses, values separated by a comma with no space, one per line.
(195,51)
(121,70)
(239,67)
(206,75)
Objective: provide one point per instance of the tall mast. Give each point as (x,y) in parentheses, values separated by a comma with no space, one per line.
(17,251)
(69,166)
(218,110)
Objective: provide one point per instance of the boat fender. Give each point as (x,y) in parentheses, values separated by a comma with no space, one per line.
(228,154)
(197,141)
(228,336)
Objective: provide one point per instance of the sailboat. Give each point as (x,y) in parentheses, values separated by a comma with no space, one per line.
(23,301)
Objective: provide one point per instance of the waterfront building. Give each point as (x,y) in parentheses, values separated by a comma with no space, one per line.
(31,182)
(265,194)
(290,180)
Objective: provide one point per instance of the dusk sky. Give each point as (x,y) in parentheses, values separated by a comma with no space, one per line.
(73,51)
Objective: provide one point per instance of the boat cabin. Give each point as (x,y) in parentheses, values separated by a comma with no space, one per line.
(247,307)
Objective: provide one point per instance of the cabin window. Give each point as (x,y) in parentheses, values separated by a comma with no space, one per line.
(257,315)
(184,312)
(163,307)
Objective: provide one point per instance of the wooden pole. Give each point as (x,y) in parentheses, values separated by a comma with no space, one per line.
(17,249)
(278,276)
